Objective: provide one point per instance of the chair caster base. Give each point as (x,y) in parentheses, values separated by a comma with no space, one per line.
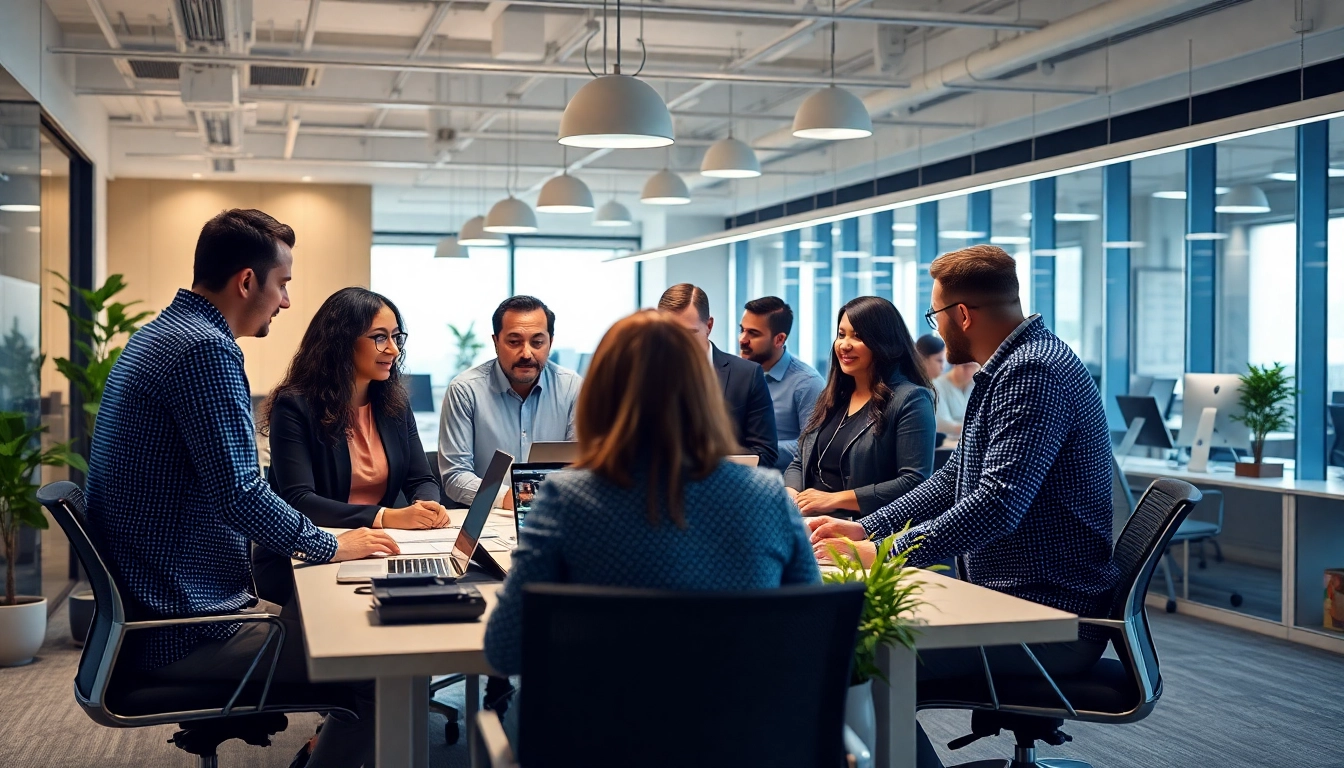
(451,732)
(1044,762)
(1171,606)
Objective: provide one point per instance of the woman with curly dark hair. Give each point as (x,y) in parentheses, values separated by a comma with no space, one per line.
(343,438)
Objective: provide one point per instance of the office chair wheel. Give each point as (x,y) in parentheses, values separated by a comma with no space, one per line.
(1236,600)
(1171,606)
(451,732)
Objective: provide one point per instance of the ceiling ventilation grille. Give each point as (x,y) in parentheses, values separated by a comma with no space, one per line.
(154,70)
(293,77)
(203,20)
(223,165)
(218,130)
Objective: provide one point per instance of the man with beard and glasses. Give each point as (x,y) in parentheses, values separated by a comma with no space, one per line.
(793,384)
(1025,501)
(508,403)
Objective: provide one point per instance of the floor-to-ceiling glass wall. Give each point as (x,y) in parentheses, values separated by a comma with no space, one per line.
(1079,265)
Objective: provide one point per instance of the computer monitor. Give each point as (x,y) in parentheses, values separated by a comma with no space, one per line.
(1164,391)
(420,392)
(1140,385)
(585,358)
(1213,390)
(1153,433)
(1337,398)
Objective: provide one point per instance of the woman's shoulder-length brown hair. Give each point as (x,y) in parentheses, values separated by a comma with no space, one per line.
(651,401)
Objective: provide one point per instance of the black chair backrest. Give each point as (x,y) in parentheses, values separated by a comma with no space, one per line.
(420,392)
(1158,514)
(619,677)
(1336,457)
(65,501)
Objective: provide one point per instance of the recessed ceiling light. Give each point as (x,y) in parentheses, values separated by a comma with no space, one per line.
(904,226)
(851,254)
(1170,194)
(1076,216)
(20,208)
(811,245)
(306,178)
(1122,244)
(195,175)
(34,230)
(904,242)
(1010,240)
(1196,236)
(45,172)
(959,234)
(1244,198)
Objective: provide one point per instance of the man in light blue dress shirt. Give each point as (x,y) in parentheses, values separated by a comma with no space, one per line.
(507,403)
(793,384)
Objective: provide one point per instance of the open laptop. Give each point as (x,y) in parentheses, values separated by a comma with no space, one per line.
(464,546)
(526,480)
(745,459)
(562,452)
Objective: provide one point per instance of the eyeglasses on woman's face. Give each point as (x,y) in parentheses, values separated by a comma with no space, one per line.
(380,341)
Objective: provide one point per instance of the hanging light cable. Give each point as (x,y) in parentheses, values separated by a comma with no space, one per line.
(832,114)
(564,193)
(511,215)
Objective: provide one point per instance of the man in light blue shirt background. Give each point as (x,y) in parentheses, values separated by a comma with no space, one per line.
(507,403)
(793,384)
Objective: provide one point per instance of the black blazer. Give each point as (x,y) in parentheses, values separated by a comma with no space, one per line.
(749,405)
(879,468)
(314,477)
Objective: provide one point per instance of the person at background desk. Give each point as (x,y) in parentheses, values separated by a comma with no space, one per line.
(742,382)
(932,355)
(175,494)
(793,384)
(1026,497)
(953,390)
(870,438)
(507,403)
(343,438)
(651,496)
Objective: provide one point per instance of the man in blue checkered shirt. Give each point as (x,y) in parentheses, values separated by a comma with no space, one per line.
(1026,497)
(175,495)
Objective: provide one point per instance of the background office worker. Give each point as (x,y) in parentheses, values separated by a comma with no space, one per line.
(953,390)
(793,384)
(932,355)
(343,438)
(742,382)
(507,403)
(1026,498)
(870,438)
(174,489)
(651,496)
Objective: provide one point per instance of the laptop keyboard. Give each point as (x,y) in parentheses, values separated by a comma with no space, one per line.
(436,566)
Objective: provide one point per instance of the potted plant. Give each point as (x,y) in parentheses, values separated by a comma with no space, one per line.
(104,321)
(891,595)
(1264,393)
(468,346)
(23,619)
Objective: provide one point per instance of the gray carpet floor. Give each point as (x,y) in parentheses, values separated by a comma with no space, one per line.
(1232,699)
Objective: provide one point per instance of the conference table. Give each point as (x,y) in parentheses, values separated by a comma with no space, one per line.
(344,641)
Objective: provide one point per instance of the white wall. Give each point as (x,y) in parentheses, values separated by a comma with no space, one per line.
(27,29)
(707,268)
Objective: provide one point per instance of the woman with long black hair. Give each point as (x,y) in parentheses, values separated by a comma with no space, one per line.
(871,435)
(343,438)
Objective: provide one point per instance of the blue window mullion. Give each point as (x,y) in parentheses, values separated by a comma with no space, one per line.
(1115,291)
(926,247)
(792,254)
(979,216)
(1201,222)
(825,320)
(741,259)
(1043,250)
(883,249)
(1313,152)
(849,243)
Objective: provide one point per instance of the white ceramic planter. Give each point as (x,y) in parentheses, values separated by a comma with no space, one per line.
(860,723)
(22,629)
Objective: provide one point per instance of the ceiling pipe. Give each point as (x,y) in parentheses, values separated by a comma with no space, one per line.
(472,67)
(1071,33)
(123,66)
(421,45)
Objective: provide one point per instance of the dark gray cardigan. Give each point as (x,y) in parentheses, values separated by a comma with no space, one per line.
(880,468)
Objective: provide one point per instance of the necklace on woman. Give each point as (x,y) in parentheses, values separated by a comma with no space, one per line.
(844,418)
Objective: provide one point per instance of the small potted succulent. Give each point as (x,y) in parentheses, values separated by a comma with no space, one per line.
(23,618)
(1265,397)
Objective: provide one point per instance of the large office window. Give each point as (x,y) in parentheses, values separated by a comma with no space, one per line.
(1157,265)
(586,293)
(904,266)
(1335,268)
(1011,213)
(1079,264)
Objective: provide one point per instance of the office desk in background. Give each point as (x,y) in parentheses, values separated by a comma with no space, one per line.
(345,642)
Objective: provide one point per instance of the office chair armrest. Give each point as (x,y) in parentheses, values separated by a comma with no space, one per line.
(212,619)
(1109,623)
(498,752)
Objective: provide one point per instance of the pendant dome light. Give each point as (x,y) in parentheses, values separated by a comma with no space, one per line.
(473,233)
(447,249)
(511,216)
(565,194)
(665,188)
(832,113)
(729,158)
(612,214)
(616,111)
(1243,198)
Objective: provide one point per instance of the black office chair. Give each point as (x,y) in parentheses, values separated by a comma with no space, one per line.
(1337,449)
(1122,690)
(621,677)
(209,714)
(420,392)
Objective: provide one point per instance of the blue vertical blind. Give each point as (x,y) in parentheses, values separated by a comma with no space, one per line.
(1201,224)
(1313,211)
(1115,291)
(1043,249)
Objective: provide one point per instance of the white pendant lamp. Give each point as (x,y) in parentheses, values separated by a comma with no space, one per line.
(665,188)
(473,233)
(730,159)
(447,249)
(511,216)
(1243,198)
(565,194)
(616,111)
(832,114)
(612,214)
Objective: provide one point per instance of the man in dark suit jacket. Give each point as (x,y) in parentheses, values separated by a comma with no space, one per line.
(743,381)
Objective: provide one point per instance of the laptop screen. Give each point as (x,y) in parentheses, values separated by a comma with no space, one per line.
(465,544)
(527,480)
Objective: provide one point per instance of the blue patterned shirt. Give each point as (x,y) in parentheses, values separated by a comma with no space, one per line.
(1026,496)
(742,532)
(794,387)
(174,489)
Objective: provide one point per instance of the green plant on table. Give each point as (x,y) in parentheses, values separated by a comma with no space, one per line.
(1264,392)
(891,596)
(468,346)
(105,321)
(20,454)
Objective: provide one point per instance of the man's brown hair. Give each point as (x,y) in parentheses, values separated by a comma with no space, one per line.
(980,274)
(683,295)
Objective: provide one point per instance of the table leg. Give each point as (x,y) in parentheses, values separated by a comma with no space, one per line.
(402,721)
(894,706)
(473,707)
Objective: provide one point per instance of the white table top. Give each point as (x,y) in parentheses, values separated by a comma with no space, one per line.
(345,642)
(1332,487)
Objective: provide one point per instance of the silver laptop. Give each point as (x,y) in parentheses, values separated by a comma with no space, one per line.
(549,453)
(455,564)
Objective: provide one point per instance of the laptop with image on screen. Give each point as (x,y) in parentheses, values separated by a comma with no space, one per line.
(464,546)
(526,480)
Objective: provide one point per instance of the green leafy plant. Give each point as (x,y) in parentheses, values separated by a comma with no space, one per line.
(891,595)
(105,321)
(468,346)
(20,371)
(1264,392)
(20,454)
